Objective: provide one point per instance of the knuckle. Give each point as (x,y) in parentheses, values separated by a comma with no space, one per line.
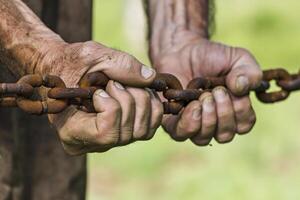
(244,128)
(210,123)
(206,95)
(243,52)
(242,108)
(178,138)
(185,133)
(106,136)
(225,115)
(72,150)
(201,142)
(125,60)
(247,126)
(109,138)
(209,127)
(223,138)
(87,48)
(207,134)
(141,133)
(89,44)
(126,135)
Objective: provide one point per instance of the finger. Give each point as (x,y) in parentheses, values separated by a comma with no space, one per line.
(225,114)
(189,122)
(142,112)
(157,112)
(119,64)
(180,17)
(126,101)
(209,120)
(244,114)
(80,132)
(245,74)
(108,119)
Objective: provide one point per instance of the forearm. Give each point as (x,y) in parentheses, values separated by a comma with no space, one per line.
(24,39)
(170,18)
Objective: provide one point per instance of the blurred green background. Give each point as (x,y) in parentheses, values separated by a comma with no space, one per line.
(263,165)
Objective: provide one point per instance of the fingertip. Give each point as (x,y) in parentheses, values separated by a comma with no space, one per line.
(201,141)
(127,70)
(102,100)
(147,72)
(238,84)
(244,78)
(190,121)
(224,138)
(101,94)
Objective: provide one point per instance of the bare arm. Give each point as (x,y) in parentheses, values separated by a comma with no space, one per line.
(24,39)
(123,115)
(179,44)
(168,18)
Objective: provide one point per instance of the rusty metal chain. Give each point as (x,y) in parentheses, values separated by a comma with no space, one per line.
(26,94)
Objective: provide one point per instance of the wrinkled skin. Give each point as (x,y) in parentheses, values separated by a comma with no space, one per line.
(124,114)
(219,114)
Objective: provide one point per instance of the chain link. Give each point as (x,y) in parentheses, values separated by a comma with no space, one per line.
(26,93)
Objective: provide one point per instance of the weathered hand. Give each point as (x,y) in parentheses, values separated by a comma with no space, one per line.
(124,114)
(221,113)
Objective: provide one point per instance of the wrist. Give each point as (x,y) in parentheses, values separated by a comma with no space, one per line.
(24,39)
(180,41)
(174,23)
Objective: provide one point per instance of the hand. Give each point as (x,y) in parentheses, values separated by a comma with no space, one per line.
(221,113)
(124,114)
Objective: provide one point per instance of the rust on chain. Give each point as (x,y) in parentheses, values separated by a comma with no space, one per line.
(279,76)
(23,93)
(8,102)
(91,82)
(97,79)
(206,83)
(171,87)
(38,107)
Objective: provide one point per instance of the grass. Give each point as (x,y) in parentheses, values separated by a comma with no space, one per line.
(262,165)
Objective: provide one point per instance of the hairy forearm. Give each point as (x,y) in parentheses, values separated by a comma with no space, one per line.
(171,18)
(24,39)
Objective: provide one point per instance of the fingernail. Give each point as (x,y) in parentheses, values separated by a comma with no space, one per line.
(102,93)
(208,105)
(220,94)
(119,86)
(196,114)
(242,84)
(146,72)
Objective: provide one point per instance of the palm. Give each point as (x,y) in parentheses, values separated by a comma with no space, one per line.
(195,59)
(188,57)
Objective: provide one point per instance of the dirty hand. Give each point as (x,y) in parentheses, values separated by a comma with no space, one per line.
(124,114)
(219,114)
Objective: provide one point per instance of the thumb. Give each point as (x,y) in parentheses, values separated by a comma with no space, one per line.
(126,69)
(245,73)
